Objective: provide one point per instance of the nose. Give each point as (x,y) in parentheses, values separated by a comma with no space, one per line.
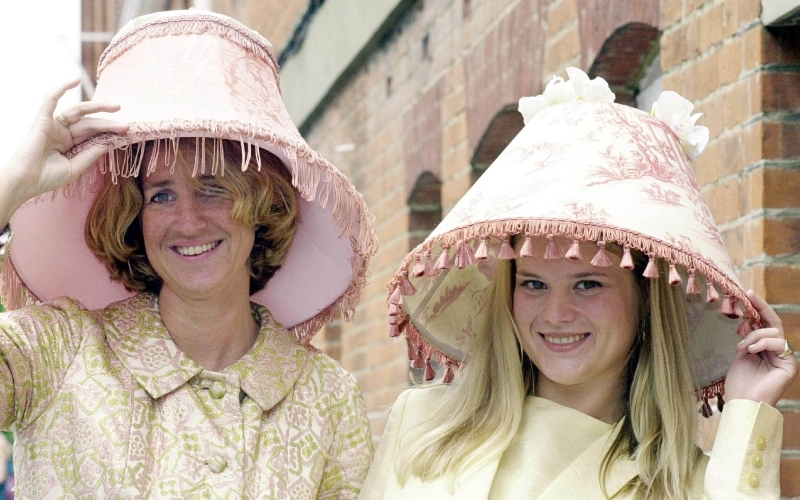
(190,217)
(558,308)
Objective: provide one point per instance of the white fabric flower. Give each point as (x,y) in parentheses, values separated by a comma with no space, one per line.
(676,112)
(590,90)
(577,88)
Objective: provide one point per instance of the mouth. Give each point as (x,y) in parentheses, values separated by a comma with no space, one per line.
(197,249)
(564,340)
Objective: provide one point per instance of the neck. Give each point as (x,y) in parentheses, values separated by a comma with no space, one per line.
(213,333)
(602,399)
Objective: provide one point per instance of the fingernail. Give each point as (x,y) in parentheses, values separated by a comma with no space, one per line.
(741,342)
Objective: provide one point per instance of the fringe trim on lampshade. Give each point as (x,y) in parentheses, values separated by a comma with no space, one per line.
(190,24)
(577,231)
(14,292)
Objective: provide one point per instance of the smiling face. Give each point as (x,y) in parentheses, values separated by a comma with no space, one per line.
(189,237)
(576,322)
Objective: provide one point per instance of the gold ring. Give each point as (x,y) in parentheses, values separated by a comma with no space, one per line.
(787,350)
(61,118)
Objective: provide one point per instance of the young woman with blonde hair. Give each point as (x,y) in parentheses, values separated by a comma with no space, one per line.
(567,288)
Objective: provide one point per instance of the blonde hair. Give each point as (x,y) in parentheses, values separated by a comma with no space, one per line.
(265,200)
(481,413)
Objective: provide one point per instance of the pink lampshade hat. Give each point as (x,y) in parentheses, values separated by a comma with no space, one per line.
(582,169)
(191,74)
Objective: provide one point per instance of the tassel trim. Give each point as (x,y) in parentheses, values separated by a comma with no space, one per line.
(575,231)
(601,257)
(716,390)
(692,288)
(483,249)
(527,247)
(464,255)
(674,277)
(651,271)
(551,252)
(574,252)
(506,252)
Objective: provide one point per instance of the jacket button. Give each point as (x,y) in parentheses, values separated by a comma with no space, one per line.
(217,389)
(752,479)
(756,460)
(216,464)
(761,442)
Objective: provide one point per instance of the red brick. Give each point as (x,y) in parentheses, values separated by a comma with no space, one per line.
(781,91)
(730,61)
(781,188)
(781,284)
(791,430)
(790,477)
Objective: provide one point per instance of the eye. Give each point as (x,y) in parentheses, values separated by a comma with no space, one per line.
(532,284)
(588,285)
(160,197)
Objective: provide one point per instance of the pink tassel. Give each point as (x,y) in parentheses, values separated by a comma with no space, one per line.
(418,361)
(396,326)
(430,269)
(464,255)
(406,288)
(483,249)
(706,409)
(394,309)
(692,288)
(443,262)
(396,297)
(506,252)
(551,252)
(449,375)
(744,328)
(601,258)
(674,277)
(726,308)
(527,247)
(419,268)
(430,373)
(412,352)
(627,260)
(736,313)
(711,292)
(651,271)
(574,251)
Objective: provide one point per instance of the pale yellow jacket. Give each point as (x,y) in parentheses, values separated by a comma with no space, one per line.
(557,453)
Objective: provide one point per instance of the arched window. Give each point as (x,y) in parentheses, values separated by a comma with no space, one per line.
(425,208)
(502,129)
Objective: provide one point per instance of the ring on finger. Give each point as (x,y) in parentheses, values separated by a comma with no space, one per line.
(787,350)
(61,118)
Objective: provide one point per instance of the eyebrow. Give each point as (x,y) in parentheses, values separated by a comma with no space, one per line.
(159,184)
(574,276)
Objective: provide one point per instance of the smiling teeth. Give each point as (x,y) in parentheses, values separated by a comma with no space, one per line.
(197,250)
(565,340)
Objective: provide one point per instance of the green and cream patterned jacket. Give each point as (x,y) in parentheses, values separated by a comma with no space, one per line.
(104,405)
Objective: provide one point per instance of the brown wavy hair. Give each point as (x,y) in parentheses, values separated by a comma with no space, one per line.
(265,200)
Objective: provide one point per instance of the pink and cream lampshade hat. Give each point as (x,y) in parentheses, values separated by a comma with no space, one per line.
(582,169)
(192,74)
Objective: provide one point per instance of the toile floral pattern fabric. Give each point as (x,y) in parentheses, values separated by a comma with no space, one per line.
(104,405)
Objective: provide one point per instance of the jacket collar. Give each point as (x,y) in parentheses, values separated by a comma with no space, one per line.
(139,339)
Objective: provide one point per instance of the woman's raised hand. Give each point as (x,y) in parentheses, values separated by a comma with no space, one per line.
(39,165)
(762,369)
